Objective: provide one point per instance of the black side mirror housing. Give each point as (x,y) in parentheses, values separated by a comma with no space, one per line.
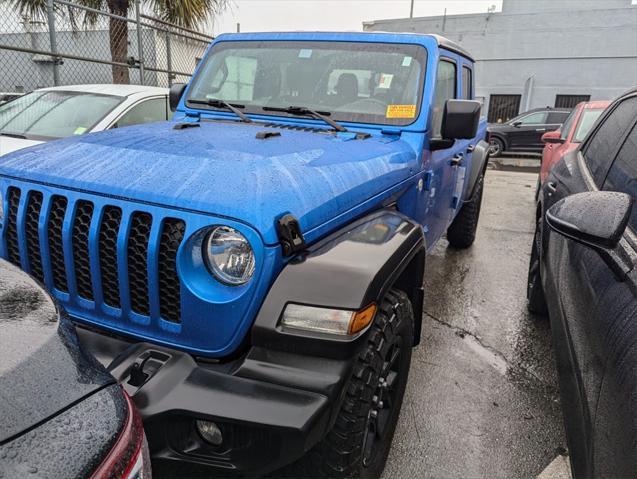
(516,124)
(460,119)
(597,218)
(175,94)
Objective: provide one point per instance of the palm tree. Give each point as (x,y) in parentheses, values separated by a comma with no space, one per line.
(185,13)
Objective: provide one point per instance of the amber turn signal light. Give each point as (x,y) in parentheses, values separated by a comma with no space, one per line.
(361,319)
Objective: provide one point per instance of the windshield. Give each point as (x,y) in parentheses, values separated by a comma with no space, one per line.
(586,122)
(54,114)
(360,82)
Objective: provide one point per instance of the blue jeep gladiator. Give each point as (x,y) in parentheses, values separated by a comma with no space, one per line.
(252,271)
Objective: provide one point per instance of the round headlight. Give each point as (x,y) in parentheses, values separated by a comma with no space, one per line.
(229,256)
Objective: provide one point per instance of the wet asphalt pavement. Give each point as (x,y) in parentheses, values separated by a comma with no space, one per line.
(482,398)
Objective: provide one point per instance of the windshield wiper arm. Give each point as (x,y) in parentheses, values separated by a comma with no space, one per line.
(216,103)
(13,135)
(301,110)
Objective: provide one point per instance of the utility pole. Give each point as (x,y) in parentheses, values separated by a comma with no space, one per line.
(411,10)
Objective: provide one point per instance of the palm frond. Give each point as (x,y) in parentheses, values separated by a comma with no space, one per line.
(33,9)
(187,13)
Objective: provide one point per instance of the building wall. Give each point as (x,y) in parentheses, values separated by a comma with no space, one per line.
(541,48)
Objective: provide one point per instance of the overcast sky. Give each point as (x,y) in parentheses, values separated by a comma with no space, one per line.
(264,15)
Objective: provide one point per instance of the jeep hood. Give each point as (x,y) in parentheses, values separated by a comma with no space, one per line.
(221,168)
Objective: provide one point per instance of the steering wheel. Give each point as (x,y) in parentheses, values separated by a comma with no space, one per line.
(373,105)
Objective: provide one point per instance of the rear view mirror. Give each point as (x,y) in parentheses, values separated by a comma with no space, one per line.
(597,219)
(553,137)
(460,119)
(175,94)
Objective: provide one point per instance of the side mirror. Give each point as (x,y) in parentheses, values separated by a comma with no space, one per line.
(175,94)
(553,137)
(597,219)
(460,119)
(516,124)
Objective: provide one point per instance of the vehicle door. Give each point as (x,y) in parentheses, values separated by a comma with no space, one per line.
(527,131)
(593,306)
(444,162)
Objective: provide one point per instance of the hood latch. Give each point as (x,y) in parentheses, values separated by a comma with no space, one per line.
(290,235)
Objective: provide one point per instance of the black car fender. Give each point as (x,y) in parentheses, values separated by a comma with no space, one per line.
(479,161)
(349,270)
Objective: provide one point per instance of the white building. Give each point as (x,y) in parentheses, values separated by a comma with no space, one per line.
(538,53)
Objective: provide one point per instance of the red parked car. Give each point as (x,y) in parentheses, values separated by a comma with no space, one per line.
(559,142)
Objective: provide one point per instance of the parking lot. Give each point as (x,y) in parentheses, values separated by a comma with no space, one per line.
(482,398)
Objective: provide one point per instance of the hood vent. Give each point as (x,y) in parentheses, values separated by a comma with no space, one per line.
(285,126)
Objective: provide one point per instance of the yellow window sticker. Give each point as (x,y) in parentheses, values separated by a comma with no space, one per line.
(79,130)
(401,111)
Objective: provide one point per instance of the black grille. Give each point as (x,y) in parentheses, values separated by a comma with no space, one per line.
(104,245)
(34,207)
(56,250)
(138,237)
(81,260)
(169,289)
(109,227)
(13,250)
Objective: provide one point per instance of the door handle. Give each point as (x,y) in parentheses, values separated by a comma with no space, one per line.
(457,159)
(470,148)
(540,129)
(551,187)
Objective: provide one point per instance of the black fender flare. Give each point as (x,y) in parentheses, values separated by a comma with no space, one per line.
(349,269)
(479,161)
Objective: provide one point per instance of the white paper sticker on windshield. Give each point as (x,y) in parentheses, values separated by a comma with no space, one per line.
(305,53)
(406,61)
(385,80)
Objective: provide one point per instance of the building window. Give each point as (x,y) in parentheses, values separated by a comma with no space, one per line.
(569,101)
(503,107)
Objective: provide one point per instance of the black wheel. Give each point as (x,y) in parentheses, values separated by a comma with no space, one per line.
(462,231)
(496,147)
(359,442)
(536,301)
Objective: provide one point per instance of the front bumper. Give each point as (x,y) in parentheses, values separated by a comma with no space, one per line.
(271,406)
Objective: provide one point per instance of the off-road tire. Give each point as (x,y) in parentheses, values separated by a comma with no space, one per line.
(340,453)
(536,301)
(462,232)
(496,147)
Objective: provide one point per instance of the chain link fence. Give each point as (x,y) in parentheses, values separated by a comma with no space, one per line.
(75,44)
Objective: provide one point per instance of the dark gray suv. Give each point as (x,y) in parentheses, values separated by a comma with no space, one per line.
(524,132)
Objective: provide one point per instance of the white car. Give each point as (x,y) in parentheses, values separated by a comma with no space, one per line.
(58,112)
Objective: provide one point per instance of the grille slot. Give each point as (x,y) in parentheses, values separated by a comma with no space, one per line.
(13,250)
(81,261)
(109,227)
(138,237)
(56,249)
(172,235)
(34,207)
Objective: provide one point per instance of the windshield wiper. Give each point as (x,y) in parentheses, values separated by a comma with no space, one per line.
(13,135)
(302,111)
(216,103)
